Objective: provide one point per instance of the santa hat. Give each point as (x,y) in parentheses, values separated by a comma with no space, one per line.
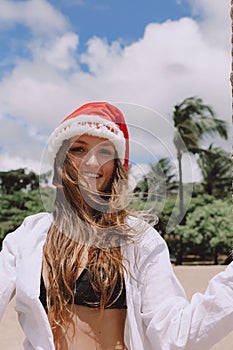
(100,119)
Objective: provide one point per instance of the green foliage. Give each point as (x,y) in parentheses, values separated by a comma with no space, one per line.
(15,207)
(193,120)
(200,201)
(208,227)
(20,196)
(16,180)
(47,195)
(169,214)
(216,167)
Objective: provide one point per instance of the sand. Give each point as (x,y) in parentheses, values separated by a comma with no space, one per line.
(193,278)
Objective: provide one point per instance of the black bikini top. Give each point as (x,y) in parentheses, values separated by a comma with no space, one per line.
(85,295)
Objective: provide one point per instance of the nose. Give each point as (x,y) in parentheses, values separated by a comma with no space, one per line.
(92,160)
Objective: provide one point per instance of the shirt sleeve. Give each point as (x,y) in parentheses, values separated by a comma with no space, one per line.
(171,322)
(8,269)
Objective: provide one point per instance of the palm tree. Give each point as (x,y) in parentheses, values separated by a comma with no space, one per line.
(215,165)
(193,120)
(161,179)
(158,181)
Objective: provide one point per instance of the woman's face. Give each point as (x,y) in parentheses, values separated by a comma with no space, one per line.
(94,157)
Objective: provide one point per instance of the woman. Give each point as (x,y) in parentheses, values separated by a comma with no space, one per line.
(91,276)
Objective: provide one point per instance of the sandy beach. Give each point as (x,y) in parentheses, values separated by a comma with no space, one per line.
(193,278)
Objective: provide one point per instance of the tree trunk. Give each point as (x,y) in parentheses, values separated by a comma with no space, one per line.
(209,189)
(181,190)
(216,256)
(179,258)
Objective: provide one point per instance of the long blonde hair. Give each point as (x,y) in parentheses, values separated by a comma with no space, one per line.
(95,226)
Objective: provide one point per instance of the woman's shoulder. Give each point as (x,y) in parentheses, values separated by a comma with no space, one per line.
(148,245)
(33,225)
(146,234)
(37,219)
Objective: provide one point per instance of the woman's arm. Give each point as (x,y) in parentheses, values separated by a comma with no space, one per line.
(171,321)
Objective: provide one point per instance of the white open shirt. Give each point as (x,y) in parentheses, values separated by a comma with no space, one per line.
(159,317)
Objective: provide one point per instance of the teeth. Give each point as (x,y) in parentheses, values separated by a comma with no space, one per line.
(91,175)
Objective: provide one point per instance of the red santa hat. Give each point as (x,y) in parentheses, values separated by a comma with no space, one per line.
(100,119)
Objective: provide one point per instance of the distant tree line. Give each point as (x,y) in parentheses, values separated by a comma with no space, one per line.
(20,196)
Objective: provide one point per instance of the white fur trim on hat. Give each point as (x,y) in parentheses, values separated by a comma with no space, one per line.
(86,124)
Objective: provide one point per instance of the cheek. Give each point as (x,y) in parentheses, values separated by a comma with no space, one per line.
(109,168)
(78,162)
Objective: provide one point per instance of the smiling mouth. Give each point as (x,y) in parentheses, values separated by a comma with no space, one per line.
(91,175)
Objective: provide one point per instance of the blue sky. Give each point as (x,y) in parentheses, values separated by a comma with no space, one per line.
(121,20)
(56,55)
(114,20)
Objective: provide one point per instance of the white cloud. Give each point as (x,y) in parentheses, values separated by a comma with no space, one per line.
(38,15)
(172,61)
(17,138)
(59,51)
(100,56)
(215,20)
(9,162)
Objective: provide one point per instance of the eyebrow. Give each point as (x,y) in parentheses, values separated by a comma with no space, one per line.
(79,141)
(106,143)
